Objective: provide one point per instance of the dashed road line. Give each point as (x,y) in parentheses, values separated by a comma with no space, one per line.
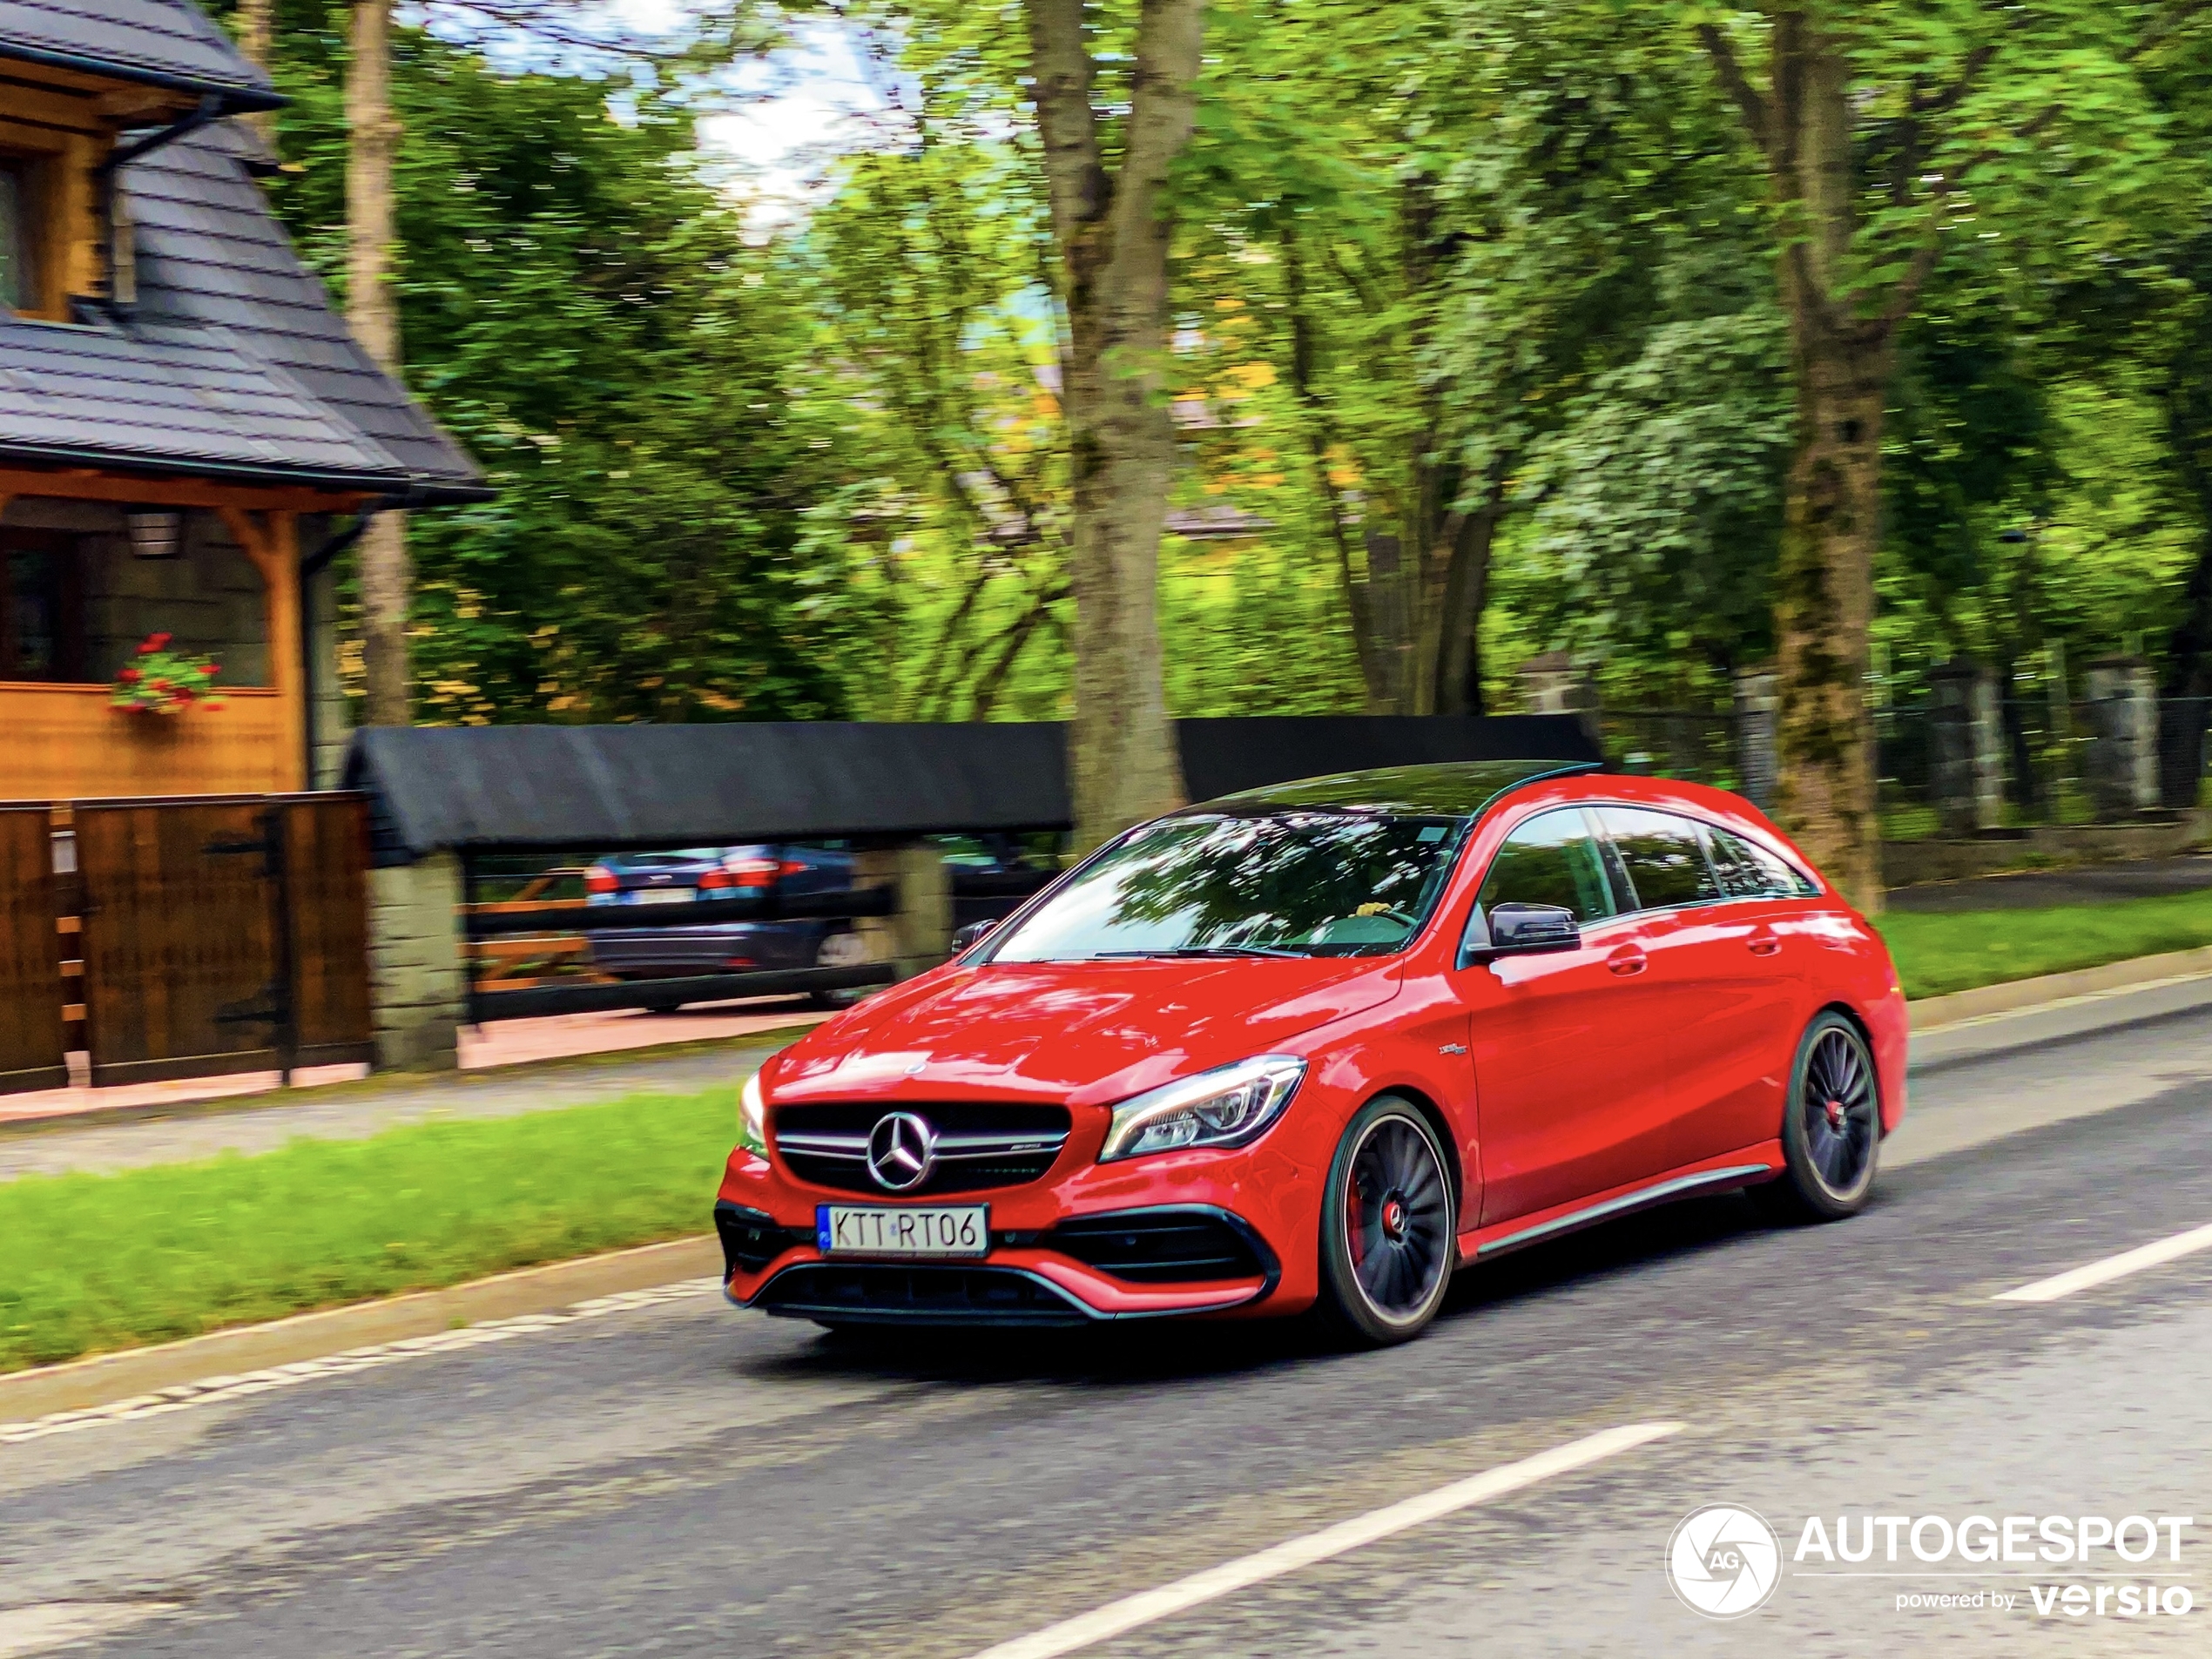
(2156,1254)
(26,1630)
(215,1390)
(1131,1612)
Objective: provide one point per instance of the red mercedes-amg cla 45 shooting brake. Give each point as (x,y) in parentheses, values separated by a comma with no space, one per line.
(1327,1044)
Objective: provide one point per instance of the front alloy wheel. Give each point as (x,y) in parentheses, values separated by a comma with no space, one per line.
(1388,1231)
(1831,1127)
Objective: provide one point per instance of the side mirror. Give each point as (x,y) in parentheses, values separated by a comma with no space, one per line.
(963,937)
(1519,929)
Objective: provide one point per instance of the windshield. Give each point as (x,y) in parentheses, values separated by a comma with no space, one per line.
(1278,883)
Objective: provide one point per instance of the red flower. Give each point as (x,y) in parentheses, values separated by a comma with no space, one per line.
(161,686)
(159,642)
(130,677)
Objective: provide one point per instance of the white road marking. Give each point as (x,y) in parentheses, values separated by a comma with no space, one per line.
(1117,1618)
(25,1630)
(2111,1267)
(214,1390)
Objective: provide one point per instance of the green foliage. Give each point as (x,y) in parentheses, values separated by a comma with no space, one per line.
(152,1255)
(1429,256)
(583,310)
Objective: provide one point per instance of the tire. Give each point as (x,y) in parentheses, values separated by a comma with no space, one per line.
(1389,1227)
(842,949)
(1831,1127)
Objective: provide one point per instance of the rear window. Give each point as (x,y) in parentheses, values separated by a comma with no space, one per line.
(1747,870)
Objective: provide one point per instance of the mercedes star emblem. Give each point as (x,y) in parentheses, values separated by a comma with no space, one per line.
(902,1150)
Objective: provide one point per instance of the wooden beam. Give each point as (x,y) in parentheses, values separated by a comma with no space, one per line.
(86,484)
(272,541)
(288,653)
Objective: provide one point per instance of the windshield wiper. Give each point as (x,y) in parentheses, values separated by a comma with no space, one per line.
(1204,950)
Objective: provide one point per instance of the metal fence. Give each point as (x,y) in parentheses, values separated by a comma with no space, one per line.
(2043,769)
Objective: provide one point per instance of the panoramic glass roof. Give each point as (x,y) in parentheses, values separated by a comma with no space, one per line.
(1453,788)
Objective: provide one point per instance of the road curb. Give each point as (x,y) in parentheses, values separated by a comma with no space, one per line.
(81,1384)
(2036,995)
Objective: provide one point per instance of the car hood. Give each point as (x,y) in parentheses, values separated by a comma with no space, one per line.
(1083,1033)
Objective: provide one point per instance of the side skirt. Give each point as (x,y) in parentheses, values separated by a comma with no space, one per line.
(1520,1233)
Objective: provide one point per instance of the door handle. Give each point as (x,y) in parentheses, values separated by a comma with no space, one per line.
(1764,942)
(1627,959)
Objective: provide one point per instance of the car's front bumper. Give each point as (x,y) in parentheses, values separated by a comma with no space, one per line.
(1144,1262)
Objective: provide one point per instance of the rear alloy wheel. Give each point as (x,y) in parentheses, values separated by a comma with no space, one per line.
(846,949)
(1389,1236)
(1831,1127)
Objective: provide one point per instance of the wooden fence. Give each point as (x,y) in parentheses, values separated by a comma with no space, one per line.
(212,934)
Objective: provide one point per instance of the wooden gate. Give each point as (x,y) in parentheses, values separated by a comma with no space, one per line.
(224,934)
(31,995)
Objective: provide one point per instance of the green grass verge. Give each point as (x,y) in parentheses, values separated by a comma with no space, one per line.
(95,1261)
(1937,953)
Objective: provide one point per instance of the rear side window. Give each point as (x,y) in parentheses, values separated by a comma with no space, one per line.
(1661,856)
(1554,859)
(1748,870)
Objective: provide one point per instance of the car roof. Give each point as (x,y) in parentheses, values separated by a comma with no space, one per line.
(1444,789)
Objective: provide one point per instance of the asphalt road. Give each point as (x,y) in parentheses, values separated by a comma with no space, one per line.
(687,1479)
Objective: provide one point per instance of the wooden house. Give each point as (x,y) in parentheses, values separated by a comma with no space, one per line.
(188,433)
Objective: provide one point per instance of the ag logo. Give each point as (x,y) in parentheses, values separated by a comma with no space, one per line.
(1723,1561)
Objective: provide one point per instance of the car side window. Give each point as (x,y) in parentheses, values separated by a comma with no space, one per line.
(1662,856)
(1553,859)
(1749,871)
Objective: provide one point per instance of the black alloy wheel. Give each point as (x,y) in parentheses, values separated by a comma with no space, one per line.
(1389,1234)
(1831,1127)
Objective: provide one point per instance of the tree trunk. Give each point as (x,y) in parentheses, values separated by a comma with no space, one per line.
(2188,649)
(256,30)
(1840,361)
(1110,233)
(1823,604)
(373,136)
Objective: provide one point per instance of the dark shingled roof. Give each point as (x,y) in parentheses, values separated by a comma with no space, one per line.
(233,363)
(603,788)
(156,43)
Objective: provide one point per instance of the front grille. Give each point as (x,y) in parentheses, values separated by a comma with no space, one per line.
(872,1294)
(750,1240)
(979,1147)
(1162,1246)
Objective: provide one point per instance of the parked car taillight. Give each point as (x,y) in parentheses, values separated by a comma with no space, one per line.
(600,880)
(757,872)
(717,881)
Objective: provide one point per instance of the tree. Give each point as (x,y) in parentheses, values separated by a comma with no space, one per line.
(1456,219)
(940,357)
(1111,229)
(373,317)
(1884,131)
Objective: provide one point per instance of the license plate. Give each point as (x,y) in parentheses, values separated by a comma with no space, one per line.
(943,1229)
(661,896)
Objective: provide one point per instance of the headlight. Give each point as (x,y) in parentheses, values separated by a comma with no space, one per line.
(752,1117)
(1225,1107)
